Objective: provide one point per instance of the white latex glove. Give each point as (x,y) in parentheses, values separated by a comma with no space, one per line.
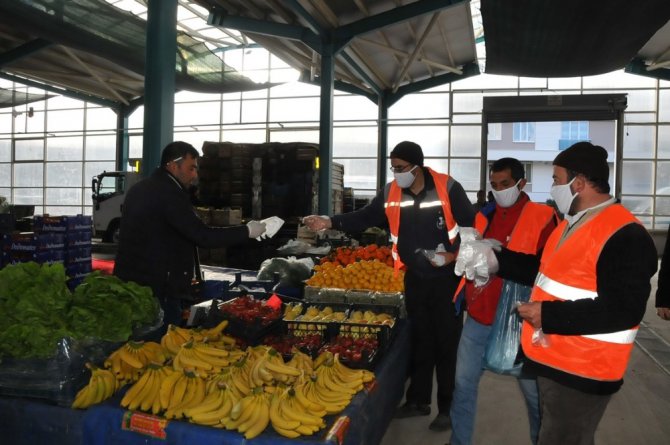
(272,226)
(469,234)
(256,228)
(438,260)
(317,223)
(477,260)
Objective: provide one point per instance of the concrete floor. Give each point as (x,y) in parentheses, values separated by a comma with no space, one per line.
(638,414)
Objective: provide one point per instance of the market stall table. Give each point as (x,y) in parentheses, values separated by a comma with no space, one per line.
(24,421)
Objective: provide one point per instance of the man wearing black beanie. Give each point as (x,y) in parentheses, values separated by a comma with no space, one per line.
(423,210)
(590,293)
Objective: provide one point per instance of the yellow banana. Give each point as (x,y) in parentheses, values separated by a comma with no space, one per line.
(134,390)
(167,387)
(211,402)
(153,393)
(178,391)
(262,418)
(281,369)
(130,357)
(295,413)
(144,393)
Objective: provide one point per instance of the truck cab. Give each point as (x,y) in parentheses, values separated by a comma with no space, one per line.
(109,192)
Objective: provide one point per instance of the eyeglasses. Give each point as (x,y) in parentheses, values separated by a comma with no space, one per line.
(400,168)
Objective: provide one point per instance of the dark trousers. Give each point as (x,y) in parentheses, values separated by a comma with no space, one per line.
(436,330)
(569,416)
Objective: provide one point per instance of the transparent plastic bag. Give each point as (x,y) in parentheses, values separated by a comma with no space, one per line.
(502,346)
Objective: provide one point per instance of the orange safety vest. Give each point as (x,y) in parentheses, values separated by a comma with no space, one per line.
(394,203)
(568,273)
(525,235)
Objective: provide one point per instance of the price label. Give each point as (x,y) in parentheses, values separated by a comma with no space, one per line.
(144,424)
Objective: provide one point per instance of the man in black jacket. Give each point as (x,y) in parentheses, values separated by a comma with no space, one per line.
(160,231)
(663,291)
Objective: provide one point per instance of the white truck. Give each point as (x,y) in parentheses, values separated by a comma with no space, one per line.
(109,192)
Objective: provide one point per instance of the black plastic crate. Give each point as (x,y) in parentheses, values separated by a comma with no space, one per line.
(251,331)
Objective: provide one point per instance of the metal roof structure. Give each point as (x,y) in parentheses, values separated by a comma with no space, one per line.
(382,49)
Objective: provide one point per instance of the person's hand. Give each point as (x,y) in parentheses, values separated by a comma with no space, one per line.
(531,312)
(442,259)
(316,223)
(256,229)
(477,261)
(663,312)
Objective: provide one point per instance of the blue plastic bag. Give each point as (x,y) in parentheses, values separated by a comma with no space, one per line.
(502,346)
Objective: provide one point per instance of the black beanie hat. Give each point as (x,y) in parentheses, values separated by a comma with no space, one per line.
(408,151)
(585,158)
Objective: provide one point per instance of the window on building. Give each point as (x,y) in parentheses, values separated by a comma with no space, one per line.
(495,131)
(573,132)
(524,132)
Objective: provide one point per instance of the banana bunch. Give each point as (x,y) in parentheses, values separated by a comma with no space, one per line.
(333,379)
(186,390)
(175,337)
(301,361)
(101,386)
(236,377)
(250,415)
(145,393)
(215,407)
(270,368)
(127,362)
(202,357)
(348,374)
(333,402)
(293,415)
(292,311)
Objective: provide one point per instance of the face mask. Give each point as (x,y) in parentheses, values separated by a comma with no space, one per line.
(507,197)
(563,196)
(405,179)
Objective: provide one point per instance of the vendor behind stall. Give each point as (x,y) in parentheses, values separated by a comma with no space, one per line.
(160,231)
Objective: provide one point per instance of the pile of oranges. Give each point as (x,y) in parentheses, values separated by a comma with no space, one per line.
(348,255)
(369,275)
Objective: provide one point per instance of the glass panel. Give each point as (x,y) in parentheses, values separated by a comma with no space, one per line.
(663,206)
(28,149)
(92,169)
(63,196)
(254,111)
(664,106)
(663,178)
(5,150)
(197,138)
(202,113)
(638,177)
(100,148)
(100,119)
(468,102)
(359,173)
(639,205)
(191,96)
(65,174)
(417,106)
(355,142)
(60,102)
(243,136)
(28,125)
(62,210)
(564,83)
(485,81)
(638,141)
(466,118)
(434,140)
(467,172)
(291,110)
(641,100)
(466,140)
(5,176)
(6,123)
(136,119)
(31,196)
(258,77)
(69,120)
(295,89)
(295,135)
(135,144)
(353,108)
(231,112)
(663,141)
(640,117)
(533,82)
(65,149)
(618,79)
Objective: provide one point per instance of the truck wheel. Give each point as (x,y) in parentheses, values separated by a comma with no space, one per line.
(112,233)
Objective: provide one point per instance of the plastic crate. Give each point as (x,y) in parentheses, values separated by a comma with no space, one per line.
(251,332)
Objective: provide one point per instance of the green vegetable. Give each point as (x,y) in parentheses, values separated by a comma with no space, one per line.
(37,309)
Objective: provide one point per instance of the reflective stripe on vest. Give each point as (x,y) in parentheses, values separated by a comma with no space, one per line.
(568,273)
(395,201)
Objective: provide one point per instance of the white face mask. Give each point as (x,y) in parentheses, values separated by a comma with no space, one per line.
(405,179)
(563,196)
(507,197)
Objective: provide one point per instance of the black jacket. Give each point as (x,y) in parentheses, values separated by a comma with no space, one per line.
(663,291)
(159,233)
(420,228)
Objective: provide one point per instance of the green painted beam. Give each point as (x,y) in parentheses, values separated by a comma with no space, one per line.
(296,7)
(637,66)
(471,69)
(219,17)
(391,17)
(339,85)
(63,91)
(382,140)
(326,132)
(24,50)
(364,75)
(223,49)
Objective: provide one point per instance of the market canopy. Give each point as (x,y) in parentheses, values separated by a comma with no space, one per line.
(95,48)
